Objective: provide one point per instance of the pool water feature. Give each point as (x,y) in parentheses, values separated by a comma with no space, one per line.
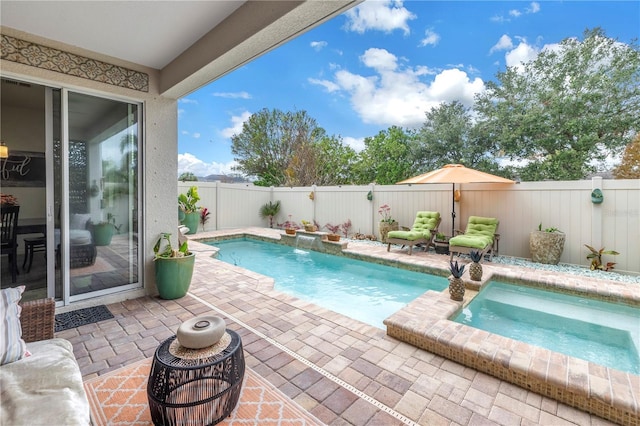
(365,291)
(601,332)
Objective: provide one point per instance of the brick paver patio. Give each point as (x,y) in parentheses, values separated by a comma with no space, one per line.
(338,369)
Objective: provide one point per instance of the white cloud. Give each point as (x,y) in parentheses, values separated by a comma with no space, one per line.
(378,15)
(534,7)
(318,45)
(187,101)
(397,95)
(190,163)
(356,143)
(195,135)
(330,86)
(504,43)
(180,112)
(430,38)
(236,128)
(521,54)
(232,95)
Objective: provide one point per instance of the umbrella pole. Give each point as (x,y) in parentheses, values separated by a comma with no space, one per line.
(453,209)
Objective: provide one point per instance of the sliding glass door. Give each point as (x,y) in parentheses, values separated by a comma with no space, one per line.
(98,160)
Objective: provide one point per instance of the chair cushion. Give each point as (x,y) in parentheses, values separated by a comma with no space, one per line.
(407,235)
(425,222)
(479,233)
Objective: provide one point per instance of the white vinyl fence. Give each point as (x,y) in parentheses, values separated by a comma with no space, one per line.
(614,224)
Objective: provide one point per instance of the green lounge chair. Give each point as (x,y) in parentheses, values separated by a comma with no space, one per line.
(480,235)
(423,231)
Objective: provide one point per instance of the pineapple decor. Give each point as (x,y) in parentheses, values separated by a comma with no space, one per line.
(456,285)
(475,269)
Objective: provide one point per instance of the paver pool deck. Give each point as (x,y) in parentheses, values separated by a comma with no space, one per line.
(338,369)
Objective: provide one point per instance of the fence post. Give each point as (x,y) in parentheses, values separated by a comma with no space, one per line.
(596,216)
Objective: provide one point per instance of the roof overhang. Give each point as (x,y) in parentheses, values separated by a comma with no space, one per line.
(191,43)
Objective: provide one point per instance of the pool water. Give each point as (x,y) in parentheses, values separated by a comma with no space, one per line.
(361,290)
(604,333)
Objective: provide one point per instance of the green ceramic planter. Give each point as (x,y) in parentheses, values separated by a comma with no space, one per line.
(102,234)
(191,221)
(173,276)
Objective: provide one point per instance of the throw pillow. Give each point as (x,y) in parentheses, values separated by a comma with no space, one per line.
(12,347)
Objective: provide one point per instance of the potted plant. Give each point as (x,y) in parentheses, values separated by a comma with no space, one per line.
(387,223)
(309,227)
(102,232)
(456,285)
(475,269)
(596,258)
(270,210)
(174,268)
(289,226)
(333,232)
(188,205)
(546,245)
(441,243)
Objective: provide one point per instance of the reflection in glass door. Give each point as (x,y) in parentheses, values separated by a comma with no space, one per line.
(96,240)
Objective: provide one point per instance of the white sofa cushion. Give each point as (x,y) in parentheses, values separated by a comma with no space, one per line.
(45,388)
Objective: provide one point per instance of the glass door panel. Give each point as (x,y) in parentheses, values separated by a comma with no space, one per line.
(102,194)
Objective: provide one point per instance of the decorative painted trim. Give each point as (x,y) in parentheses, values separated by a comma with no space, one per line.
(36,55)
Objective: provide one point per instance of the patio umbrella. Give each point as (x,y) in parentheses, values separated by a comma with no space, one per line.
(455,173)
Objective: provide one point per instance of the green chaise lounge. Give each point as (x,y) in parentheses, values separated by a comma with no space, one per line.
(423,231)
(480,235)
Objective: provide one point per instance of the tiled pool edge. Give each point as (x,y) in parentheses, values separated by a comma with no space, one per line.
(605,392)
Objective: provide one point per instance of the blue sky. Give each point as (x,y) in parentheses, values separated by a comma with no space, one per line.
(385,63)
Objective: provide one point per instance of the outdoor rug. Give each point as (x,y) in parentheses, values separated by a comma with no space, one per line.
(73,319)
(120,398)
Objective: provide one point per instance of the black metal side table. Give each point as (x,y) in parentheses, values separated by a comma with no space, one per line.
(195,386)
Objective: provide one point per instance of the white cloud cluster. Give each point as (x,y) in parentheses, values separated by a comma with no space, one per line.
(534,7)
(356,143)
(187,101)
(387,16)
(195,135)
(236,128)
(190,163)
(318,45)
(232,95)
(397,95)
(431,38)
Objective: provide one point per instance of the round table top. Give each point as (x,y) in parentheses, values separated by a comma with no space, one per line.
(195,358)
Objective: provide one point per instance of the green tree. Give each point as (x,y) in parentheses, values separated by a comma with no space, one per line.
(449,136)
(629,167)
(387,157)
(328,162)
(566,111)
(187,177)
(268,142)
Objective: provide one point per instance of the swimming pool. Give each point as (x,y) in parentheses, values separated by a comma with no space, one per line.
(361,290)
(604,333)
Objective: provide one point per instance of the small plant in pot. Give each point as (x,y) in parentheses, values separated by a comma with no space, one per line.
(289,226)
(309,227)
(456,284)
(333,232)
(475,269)
(188,205)
(174,268)
(546,245)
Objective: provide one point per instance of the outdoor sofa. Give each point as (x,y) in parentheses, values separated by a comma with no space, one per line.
(44,387)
